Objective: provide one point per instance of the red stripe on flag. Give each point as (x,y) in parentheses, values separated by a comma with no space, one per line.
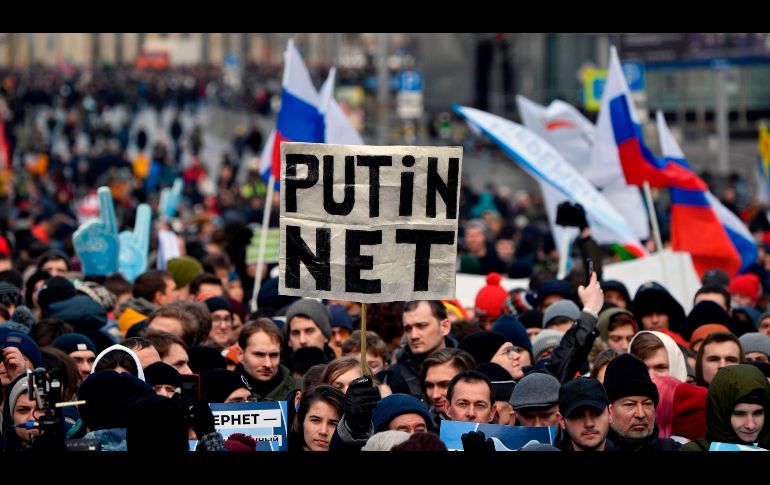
(632,162)
(637,169)
(276,165)
(697,230)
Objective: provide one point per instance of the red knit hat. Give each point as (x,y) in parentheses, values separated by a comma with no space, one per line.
(490,299)
(747,284)
(688,418)
(240,442)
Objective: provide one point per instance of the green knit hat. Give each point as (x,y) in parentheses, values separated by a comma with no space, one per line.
(183,270)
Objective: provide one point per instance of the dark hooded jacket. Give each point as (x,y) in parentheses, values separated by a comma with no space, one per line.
(86,317)
(732,385)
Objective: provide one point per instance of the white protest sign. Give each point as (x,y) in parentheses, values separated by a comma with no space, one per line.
(674,270)
(369,224)
(263,421)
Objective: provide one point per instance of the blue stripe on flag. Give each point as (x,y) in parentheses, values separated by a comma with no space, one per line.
(689,197)
(746,249)
(299,121)
(622,125)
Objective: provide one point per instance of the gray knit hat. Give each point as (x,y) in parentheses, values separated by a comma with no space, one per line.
(755,342)
(562,308)
(546,339)
(313,310)
(535,390)
(21,386)
(21,320)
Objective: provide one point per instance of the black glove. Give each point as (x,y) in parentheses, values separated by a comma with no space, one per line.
(360,399)
(477,441)
(199,416)
(568,214)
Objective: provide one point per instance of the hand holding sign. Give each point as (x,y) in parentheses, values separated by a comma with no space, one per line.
(96,242)
(134,245)
(170,199)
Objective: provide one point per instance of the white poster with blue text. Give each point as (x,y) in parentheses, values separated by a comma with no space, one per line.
(263,421)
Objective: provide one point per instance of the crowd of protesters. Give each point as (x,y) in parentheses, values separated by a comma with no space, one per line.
(610,370)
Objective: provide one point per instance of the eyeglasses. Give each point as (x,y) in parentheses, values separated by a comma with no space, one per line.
(220,319)
(507,352)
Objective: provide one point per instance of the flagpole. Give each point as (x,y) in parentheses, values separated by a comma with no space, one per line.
(363,339)
(263,239)
(564,251)
(655,230)
(653,216)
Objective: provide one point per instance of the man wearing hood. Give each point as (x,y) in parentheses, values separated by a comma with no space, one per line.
(736,409)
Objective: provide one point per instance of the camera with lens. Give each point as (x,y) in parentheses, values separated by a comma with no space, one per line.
(44,389)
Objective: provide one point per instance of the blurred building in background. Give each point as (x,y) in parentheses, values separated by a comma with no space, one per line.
(398,87)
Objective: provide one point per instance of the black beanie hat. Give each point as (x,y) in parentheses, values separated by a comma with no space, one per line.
(304,358)
(218,303)
(628,376)
(531,319)
(218,384)
(55,289)
(159,373)
(156,423)
(108,395)
(204,359)
(704,312)
(502,380)
(483,345)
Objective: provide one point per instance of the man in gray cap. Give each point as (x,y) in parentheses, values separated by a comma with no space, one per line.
(308,324)
(584,415)
(544,343)
(756,347)
(535,400)
(561,315)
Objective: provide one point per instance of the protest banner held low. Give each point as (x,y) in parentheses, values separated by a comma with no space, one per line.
(505,438)
(369,224)
(263,421)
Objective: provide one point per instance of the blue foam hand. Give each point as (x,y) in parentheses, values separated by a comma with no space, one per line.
(96,242)
(170,198)
(134,245)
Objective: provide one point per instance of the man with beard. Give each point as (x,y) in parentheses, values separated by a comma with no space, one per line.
(633,397)
(584,415)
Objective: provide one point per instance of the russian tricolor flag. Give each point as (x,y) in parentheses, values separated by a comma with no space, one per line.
(700,220)
(695,227)
(305,116)
(299,118)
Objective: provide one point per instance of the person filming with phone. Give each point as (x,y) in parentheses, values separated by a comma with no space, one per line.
(569,214)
